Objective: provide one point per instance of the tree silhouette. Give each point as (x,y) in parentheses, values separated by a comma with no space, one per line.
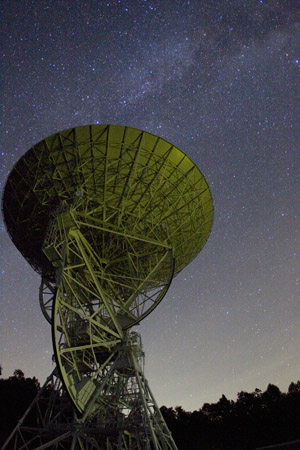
(255,419)
(16,394)
(294,387)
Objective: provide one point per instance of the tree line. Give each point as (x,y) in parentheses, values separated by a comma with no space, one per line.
(254,420)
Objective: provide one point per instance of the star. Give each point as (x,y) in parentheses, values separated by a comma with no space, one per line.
(220,81)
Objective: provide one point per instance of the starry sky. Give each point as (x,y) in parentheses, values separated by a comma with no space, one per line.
(221,80)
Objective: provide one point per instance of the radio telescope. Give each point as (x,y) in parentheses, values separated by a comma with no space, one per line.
(107,215)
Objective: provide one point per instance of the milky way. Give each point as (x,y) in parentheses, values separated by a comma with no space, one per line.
(220,81)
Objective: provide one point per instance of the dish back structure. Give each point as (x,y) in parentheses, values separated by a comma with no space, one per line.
(107,215)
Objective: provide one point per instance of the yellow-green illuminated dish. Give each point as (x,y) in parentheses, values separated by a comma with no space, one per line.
(139,181)
(107,215)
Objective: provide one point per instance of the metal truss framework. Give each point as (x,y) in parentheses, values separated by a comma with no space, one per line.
(106,282)
(107,215)
(126,417)
(134,181)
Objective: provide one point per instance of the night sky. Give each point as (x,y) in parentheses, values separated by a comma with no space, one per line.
(221,80)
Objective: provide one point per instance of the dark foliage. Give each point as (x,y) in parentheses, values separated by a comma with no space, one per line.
(16,394)
(254,420)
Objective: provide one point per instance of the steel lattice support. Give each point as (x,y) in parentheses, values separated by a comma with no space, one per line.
(108,215)
(49,422)
(122,414)
(103,286)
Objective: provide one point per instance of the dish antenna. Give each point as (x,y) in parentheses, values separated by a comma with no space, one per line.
(107,215)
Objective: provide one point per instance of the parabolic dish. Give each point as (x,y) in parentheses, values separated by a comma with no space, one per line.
(137,181)
(107,215)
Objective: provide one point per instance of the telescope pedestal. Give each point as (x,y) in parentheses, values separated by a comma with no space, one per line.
(122,415)
(107,215)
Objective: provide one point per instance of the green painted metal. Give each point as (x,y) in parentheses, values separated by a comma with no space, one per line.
(122,416)
(46,297)
(132,181)
(98,297)
(107,215)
